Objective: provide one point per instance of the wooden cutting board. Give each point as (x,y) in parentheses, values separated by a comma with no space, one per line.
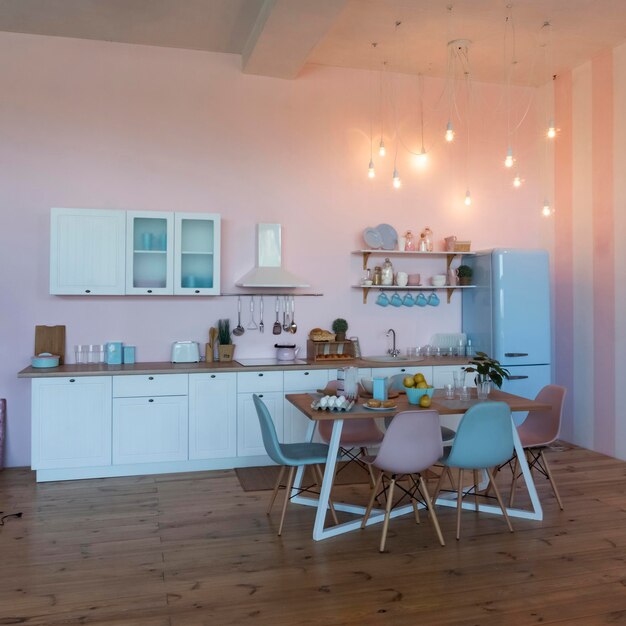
(50,339)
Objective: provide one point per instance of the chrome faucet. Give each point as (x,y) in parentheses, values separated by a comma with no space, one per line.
(394,352)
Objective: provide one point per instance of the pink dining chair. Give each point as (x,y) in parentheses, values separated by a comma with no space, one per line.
(536,432)
(362,433)
(411,444)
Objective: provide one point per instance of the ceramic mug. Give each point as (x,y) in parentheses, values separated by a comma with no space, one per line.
(433,299)
(396,300)
(402,278)
(421,300)
(382,299)
(408,300)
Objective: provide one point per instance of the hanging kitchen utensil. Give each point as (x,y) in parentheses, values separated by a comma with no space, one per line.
(239,329)
(252,324)
(261,324)
(293,327)
(277,328)
(286,321)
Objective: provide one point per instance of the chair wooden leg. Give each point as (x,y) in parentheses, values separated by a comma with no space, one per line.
(476,483)
(276,488)
(292,473)
(431,510)
(488,487)
(459,504)
(383,539)
(370,504)
(513,482)
(496,491)
(551,479)
(331,506)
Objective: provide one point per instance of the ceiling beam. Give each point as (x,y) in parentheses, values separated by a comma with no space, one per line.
(285,33)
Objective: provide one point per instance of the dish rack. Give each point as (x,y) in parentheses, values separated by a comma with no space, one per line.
(448,340)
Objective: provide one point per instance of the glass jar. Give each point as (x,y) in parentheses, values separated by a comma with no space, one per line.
(378,279)
(387,273)
(427,236)
(409,241)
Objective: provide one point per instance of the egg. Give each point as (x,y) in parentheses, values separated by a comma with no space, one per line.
(331,401)
(324,402)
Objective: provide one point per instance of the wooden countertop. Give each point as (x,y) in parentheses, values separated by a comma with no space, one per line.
(165,367)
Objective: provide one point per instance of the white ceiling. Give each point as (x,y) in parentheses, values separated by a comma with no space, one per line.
(279,37)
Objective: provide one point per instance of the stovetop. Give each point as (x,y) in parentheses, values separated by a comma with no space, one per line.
(269,361)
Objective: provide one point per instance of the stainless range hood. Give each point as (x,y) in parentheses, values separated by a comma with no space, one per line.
(269,271)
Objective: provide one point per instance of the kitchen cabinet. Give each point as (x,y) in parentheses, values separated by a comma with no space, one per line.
(71,422)
(444,375)
(212,416)
(197,254)
(150,418)
(414,255)
(268,385)
(87,252)
(301,381)
(408,370)
(149,253)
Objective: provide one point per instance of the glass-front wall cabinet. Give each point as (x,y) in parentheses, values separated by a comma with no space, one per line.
(149,259)
(197,258)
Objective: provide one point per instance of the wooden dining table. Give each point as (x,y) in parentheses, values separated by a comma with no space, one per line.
(445,406)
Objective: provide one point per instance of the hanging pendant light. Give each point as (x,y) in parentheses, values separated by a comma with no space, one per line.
(546,211)
(381,148)
(449,132)
(468,198)
(517,181)
(397,183)
(371,172)
(551,129)
(508,162)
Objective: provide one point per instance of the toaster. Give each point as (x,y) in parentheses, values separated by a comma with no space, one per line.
(185,352)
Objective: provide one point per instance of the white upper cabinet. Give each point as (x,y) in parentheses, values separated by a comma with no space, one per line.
(87,252)
(149,253)
(197,254)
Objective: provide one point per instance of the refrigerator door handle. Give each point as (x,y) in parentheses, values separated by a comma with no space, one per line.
(517,377)
(516,354)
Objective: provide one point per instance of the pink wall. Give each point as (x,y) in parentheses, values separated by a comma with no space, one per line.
(589,249)
(93,124)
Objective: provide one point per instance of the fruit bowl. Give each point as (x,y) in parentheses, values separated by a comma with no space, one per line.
(413,394)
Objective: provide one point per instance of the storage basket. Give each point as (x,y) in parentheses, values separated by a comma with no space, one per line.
(462,246)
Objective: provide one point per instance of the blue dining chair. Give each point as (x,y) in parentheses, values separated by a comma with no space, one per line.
(291,455)
(484,440)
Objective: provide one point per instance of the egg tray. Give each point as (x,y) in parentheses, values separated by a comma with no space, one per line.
(345,406)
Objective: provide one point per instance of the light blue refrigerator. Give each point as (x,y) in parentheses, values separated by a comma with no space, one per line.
(507,314)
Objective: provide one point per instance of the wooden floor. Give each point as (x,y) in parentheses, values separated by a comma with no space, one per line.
(193,549)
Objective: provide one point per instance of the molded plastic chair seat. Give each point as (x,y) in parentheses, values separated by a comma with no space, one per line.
(411,445)
(290,455)
(483,440)
(539,430)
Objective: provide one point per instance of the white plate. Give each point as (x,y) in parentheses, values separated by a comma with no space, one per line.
(372,238)
(389,236)
(379,408)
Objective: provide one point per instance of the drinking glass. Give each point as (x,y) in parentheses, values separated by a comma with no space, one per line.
(449,390)
(464,393)
(459,381)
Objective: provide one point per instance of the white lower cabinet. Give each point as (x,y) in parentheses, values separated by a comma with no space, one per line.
(409,370)
(150,418)
(212,416)
(149,429)
(249,438)
(301,381)
(71,422)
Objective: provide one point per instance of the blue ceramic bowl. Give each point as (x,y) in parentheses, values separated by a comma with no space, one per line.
(413,394)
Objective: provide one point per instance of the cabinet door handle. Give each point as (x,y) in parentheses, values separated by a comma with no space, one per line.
(516,354)
(150,377)
(87,290)
(306,373)
(260,395)
(260,374)
(150,400)
(72,380)
(197,291)
(403,369)
(517,377)
(212,375)
(149,290)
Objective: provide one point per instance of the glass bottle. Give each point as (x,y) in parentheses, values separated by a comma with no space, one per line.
(409,245)
(428,238)
(387,273)
(377,280)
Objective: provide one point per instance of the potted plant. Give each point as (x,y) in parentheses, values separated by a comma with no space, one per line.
(340,326)
(488,372)
(226,348)
(464,272)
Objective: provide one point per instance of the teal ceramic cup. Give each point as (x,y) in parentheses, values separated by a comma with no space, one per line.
(396,300)
(382,299)
(421,300)
(408,300)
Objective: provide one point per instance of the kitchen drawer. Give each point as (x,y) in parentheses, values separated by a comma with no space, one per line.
(150,385)
(259,381)
(297,380)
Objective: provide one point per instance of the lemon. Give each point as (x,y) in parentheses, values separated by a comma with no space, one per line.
(419,378)
(425,401)
(422,385)
(408,381)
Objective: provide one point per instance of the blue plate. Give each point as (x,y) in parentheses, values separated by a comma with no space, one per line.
(372,238)
(388,235)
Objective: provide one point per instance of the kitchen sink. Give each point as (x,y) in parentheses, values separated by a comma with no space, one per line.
(387,358)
